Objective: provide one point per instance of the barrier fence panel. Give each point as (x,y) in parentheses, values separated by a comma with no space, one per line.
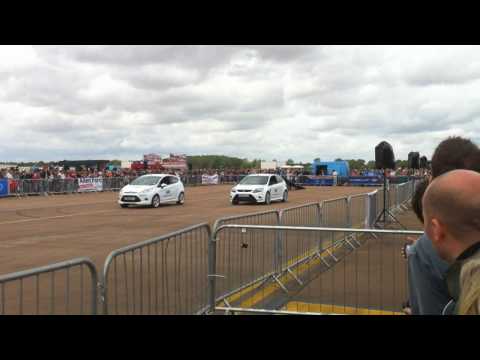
(32,187)
(115,183)
(62,186)
(165,275)
(335,213)
(68,287)
(362,272)
(358,208)
(302,215)
(391,196)
(372,209)
(380,203)
(270,217)
(240,263)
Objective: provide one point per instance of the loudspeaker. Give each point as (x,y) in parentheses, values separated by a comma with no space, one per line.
(384,158)
(423,162)
(414,160)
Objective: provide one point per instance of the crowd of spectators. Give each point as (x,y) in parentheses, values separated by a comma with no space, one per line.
(51,173)
(444,263)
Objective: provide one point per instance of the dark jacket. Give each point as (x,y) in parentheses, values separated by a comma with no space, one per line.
(427,279)
(455,270)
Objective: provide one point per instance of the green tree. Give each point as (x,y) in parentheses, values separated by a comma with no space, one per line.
(290,162)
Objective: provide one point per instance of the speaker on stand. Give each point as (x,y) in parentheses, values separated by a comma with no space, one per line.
(385,159)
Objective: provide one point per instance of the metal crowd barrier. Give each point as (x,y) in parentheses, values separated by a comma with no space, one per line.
(270,217)
(360,272)
(61,288)
(164,275)
(180,273)
(358,210)
(31,187)
(336,213)
(115,183)
(61,186)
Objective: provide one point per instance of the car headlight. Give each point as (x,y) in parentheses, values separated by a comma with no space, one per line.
(257,190)
(146,191)
(234,189)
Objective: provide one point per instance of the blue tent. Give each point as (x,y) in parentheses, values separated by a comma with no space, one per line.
(341,167)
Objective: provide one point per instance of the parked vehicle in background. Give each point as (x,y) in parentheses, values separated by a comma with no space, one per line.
(153,190)
(259,188)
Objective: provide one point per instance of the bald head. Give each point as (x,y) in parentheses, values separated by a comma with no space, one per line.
(454,199)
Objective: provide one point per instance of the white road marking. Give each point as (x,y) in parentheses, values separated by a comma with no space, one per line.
(55,217)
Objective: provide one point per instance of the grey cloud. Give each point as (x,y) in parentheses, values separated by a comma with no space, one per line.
(250,101)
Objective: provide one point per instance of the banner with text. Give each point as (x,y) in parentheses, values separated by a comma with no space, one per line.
(90,184)
(210,179)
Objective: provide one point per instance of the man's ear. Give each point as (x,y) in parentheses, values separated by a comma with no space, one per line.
(438,230)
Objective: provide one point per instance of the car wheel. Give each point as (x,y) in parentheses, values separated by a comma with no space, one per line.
(181,199)
(267,199)
(235,201)
(156,201)
(124,205)
(285,196)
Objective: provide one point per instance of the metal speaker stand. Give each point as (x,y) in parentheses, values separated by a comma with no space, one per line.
(385,213)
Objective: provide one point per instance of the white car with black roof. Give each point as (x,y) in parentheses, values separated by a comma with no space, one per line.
(259,188)
(152,190)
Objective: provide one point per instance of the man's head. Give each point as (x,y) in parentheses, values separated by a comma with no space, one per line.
(417,199)
(455,153)
(451,209)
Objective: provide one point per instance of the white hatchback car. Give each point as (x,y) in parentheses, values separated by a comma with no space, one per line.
(259,188)
(152,190)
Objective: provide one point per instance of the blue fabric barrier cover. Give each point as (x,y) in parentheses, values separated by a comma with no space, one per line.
(3,187)
(366,180)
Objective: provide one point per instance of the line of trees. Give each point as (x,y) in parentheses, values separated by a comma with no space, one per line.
(220,162)
(361,164)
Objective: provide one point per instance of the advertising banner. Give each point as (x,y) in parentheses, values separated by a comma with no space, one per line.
(175,162)
(365,180)
(3,187)
(210,179)
(317,180)
(90,184)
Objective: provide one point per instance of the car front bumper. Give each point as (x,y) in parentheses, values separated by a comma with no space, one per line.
(248,197)
(140,199)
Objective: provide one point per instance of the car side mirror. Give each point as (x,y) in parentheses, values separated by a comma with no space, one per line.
(161,185)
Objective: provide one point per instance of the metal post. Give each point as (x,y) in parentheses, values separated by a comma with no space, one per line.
(349,209)
(212,258)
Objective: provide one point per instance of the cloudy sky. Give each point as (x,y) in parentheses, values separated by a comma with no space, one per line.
(269,102)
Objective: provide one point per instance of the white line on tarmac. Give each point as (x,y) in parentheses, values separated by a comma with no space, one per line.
(55,217)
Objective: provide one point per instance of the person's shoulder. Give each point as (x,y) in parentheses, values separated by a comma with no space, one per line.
(429,255)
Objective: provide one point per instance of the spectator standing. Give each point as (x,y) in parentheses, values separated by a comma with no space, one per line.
(426,269)
(451,208)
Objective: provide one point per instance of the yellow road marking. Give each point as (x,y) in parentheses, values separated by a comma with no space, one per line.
(326,308)
(272,288)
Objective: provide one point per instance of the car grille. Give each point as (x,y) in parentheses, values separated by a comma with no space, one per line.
(130,198)
(244,190)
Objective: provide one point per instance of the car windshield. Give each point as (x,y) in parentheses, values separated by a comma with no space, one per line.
(254,180)
(146,180)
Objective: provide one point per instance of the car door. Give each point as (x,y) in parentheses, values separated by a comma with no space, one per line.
(163,190)
(175,187)
(169,189)
(281,185)
(273,187)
